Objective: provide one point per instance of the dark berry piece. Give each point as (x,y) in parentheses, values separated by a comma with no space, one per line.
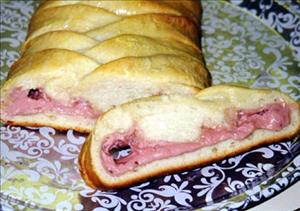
(34,94)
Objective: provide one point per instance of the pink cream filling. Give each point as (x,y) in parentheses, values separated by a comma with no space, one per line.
(242,124)
(20,104)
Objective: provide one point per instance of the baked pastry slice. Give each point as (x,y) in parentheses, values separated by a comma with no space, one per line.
(167,134)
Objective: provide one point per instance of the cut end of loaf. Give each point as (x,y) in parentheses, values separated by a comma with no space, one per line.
(166,124)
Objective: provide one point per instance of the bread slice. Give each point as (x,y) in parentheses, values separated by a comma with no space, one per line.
(168,134)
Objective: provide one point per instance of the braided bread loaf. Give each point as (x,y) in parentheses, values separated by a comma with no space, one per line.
(81,58)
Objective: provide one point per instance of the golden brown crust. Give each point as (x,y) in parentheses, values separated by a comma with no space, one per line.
(52,60)
(89,172)
(168,26)
(41,124)
(188,8)
(96,182)
(84,164)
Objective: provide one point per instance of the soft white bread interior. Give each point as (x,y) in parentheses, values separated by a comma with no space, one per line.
(101,54)
(180,120)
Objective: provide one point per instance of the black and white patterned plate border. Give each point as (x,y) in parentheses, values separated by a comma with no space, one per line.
(281,15)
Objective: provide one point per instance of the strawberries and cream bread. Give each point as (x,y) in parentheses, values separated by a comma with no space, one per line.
(132,73)
(81,58)
(167,134)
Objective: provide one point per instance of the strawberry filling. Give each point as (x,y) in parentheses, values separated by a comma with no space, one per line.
(34,101)
(141,151)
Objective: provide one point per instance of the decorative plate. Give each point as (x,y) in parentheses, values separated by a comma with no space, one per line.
(251,43)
